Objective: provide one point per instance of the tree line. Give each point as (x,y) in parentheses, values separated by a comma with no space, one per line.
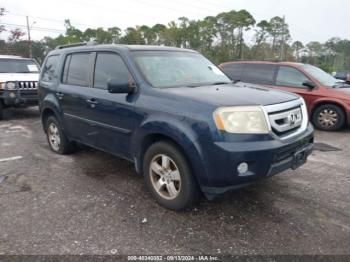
(220,38)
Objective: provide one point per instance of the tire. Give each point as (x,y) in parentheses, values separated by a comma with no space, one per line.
(328,117)
(56,138)
(170,180)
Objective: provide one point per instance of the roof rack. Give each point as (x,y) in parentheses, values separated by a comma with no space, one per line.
(76,44)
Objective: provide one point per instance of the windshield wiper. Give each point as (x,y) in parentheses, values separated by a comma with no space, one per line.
(221,83)
(208,84)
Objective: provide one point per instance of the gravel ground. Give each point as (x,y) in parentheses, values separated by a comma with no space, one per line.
(94,203)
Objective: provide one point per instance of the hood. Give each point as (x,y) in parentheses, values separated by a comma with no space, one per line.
(233,94)
(6,77)
(343,91)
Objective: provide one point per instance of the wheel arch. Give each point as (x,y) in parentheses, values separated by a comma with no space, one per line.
(332,102)
(49,106)
(177,134)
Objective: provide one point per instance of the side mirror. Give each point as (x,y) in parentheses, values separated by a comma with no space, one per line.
(309,84)
(120,86)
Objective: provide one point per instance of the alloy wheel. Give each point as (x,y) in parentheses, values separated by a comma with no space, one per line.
(54,137)
(165,176)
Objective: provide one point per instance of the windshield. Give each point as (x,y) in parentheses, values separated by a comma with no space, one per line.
(18,66)
(164,69)
(321,76)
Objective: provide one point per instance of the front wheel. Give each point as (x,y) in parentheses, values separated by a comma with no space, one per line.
(328,117)
(169,178)
(58,141)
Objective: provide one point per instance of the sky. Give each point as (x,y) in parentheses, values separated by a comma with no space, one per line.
(309,20)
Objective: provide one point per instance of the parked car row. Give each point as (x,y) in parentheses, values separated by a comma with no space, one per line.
(187,127)
(327,99)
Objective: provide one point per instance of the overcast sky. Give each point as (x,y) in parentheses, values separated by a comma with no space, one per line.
(309,20)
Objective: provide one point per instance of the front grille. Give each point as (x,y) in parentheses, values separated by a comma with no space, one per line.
(287,119)
(27,85)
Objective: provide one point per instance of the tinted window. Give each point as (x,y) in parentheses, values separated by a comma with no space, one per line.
(288,76)
(109,65)
(233,71)
(76,71)
(50,69)
(259,74)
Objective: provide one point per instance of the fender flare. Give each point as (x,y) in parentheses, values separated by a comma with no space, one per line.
(178,131)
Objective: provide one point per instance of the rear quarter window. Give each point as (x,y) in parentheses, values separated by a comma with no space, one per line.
(49,73)
(233,71)
(259,74)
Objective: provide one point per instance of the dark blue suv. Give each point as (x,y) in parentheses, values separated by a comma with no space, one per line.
(187,128)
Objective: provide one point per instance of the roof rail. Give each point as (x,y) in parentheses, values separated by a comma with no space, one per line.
(76,44)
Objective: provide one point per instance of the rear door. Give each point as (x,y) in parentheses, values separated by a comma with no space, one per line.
(74,94)
(291,79)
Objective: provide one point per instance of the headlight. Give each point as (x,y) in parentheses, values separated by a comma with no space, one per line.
(2,86)
(241,119)
(10,85)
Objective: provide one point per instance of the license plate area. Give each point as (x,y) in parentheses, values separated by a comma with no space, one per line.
(299,158)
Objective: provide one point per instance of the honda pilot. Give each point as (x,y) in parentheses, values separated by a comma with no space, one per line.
(182,122)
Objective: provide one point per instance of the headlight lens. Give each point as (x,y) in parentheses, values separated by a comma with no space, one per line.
(241,119)
(10,85)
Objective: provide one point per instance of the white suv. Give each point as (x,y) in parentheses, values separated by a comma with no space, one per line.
(18,82)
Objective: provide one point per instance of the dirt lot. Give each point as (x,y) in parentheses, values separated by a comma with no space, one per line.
(93,203)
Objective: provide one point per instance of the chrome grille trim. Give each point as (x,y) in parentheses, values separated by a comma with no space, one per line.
(27,85)
(280,111)
(286,120)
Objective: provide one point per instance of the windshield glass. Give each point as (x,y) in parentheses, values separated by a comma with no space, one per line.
(18,66)
(164,69)
(320,75)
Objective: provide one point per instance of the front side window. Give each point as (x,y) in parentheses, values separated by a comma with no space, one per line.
(76,69)
(50,69)
(259,74)
(289,76)
(18,66)
(109,65)
(164,69)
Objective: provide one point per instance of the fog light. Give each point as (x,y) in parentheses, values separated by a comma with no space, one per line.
(12,95)
(242,168)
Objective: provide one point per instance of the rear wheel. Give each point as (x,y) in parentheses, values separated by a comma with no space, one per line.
(169,178)
(329,117)
(58,141)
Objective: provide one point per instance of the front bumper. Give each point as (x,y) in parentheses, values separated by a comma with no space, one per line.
(264,158)
(18,98)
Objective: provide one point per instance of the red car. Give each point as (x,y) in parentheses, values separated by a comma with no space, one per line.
(327,99)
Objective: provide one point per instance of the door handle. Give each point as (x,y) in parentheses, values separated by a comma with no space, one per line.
(59,95)
(92,101)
